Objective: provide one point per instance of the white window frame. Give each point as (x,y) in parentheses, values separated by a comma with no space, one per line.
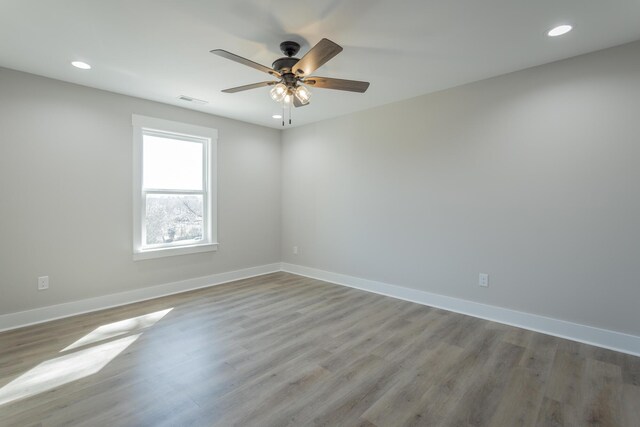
(209,138)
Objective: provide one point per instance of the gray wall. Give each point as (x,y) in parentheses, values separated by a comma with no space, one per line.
(533,177)
(66,194)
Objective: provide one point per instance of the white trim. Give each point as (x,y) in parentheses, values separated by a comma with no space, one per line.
(186,129)
(612,340)
(173,251)
(45,314)
(209,138)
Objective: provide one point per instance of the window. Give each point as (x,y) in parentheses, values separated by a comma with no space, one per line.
(174,201)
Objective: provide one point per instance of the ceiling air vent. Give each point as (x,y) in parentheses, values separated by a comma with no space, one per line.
(192,100)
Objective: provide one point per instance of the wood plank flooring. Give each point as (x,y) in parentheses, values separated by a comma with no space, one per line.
(283,350)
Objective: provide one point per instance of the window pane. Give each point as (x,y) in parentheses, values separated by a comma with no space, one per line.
(171,164)
(173,217)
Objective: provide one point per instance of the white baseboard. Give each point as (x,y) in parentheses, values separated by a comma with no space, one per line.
(612,340)
(52,312)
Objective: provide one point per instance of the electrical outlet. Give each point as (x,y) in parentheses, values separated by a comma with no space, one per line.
(295,250)
(483,280)
(43,283)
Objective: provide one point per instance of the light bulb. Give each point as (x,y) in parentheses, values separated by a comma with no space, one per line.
(278,92)
(288,98)
(303,94)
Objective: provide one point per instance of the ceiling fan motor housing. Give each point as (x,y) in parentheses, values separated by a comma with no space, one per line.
(289,48)
(284,65)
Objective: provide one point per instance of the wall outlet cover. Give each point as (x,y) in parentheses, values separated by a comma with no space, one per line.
(483,280)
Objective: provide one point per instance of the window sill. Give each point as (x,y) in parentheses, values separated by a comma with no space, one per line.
(183,250)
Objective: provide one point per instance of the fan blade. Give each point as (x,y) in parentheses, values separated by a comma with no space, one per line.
(247,87)
(337,84)
(319,55)
(246,62)
(297,103)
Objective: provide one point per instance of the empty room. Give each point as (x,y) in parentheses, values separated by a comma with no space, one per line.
(335,213)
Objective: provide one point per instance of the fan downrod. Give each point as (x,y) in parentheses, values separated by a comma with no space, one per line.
(289,48)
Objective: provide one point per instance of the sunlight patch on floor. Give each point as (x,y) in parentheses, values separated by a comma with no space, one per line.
(122,327)
(81,363)
(64,369)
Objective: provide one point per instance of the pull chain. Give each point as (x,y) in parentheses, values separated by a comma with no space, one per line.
(287,105)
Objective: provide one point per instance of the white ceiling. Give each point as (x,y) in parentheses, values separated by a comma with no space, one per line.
(159,49)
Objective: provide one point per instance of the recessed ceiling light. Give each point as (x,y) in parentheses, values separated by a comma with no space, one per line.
(81,65)
(277,116)
(559,30)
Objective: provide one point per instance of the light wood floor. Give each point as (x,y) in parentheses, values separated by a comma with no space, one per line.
(282,350)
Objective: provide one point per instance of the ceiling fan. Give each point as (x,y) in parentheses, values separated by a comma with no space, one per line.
(294,74)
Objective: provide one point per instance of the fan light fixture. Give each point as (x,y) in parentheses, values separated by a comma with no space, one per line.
(303,94)
(278,92)
(281,93)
